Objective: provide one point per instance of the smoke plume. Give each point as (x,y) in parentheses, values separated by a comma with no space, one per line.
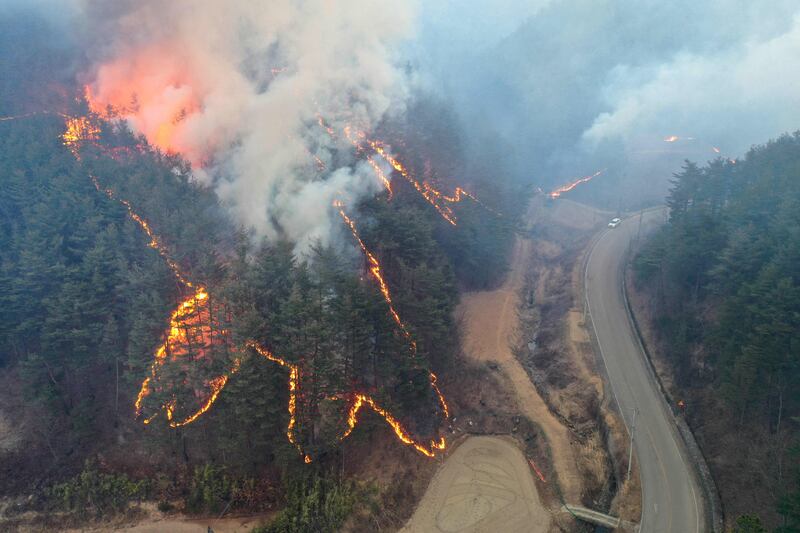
(580,85)
(239,89)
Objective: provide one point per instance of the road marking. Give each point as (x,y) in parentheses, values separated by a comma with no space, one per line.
(659,399)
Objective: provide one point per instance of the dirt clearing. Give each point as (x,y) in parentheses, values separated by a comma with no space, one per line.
(485,485)
(491,322)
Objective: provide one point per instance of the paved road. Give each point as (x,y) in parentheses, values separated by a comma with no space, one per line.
(671,496)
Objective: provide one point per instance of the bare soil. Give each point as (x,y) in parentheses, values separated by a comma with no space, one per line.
(485,485)
(556,351)
(491,325)
(154,521)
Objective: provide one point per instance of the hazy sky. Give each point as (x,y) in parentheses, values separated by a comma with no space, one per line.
(564,87)
(577,85)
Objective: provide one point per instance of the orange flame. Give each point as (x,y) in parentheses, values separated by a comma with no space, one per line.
(155,91)
(374,267)
(716,150)
(294,379)
(191,325)
(399,430)
(79,130)
(191,335)
(375,270)
(155,243)
(425,189)
(348,132)
(569,186)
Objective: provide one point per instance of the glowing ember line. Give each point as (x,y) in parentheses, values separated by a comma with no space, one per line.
(348,132)
(569,186)
(375,270)
(294,380)
(186,318)
(324,125)
(442,401)
(79,130)
(535,469)
(377,169)
(216,384)
(429,193)
(399,430)
(374,267)
(155,242)
(716,150)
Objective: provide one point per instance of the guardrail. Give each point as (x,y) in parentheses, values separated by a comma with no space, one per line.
(714,516)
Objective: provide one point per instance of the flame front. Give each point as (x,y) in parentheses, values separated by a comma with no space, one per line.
(569,186)
(192,335)
(399,430)
(194,327)
(79,130)
(294,384)
(375,270)
(155,243)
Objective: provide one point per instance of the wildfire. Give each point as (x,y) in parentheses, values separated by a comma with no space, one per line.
(399,430)
(294,382)
(194,331)
(675,138)
(436,198)
(375,270)
(716,150)
(348,132)
(192,335)
(79,130)
(324,125)
(154,92)
(374,267)
(155,243)
(429,193)
(569,186)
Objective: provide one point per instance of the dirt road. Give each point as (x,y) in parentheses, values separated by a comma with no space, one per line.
(484,486)
(490,325)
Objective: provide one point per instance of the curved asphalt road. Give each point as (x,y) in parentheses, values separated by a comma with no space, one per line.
(671,496)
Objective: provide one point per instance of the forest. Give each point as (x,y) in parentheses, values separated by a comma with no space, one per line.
(725,274)
(275,359)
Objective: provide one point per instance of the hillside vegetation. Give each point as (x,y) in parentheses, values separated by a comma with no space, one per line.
(725,273)
(86,300)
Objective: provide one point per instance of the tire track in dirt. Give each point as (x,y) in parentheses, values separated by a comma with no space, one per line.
(484,486)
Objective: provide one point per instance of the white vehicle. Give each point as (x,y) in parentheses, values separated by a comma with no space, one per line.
(614,222)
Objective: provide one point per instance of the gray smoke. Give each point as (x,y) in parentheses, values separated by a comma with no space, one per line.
(578,85)
(238,86)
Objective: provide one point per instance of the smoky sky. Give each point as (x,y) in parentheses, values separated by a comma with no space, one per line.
(544,91)
(580,85)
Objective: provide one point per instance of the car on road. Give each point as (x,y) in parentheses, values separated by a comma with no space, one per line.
(614,222)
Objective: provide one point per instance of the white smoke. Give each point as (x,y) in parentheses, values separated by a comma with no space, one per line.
(250,80)
(733,98)
(579,85)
